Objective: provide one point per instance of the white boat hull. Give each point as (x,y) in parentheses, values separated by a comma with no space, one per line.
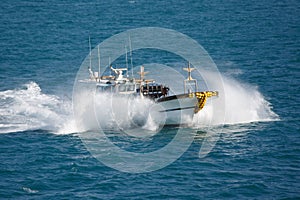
(177,109)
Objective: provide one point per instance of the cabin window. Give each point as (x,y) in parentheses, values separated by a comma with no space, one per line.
(122,88)
(107,89)
(130,87)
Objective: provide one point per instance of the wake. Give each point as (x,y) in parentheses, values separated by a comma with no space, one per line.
(27,108)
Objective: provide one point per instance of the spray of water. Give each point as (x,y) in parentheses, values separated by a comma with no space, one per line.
(112,112)
(243,104)
(27,108)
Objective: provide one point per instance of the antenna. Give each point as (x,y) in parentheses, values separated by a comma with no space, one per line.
(189,70)
(109,65)
(90,53)
(99,62)
(126,61)
(130,49)
(90,66)
(142,73)
(190,79)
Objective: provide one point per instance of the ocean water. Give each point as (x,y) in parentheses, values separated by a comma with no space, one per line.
(256,155)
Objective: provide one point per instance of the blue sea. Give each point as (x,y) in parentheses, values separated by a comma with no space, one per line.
(255,153)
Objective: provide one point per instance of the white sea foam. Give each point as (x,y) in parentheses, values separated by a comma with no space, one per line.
(237,103)
(240,103)
(29,190)
(28,108)
(107,111)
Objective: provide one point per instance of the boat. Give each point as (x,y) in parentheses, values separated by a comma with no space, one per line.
(178,109)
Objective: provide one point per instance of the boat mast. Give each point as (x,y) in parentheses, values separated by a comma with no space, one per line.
(142,73)
(189,79)
(109,65)
(126,61)
(99,63)
(90,53)
(130,50)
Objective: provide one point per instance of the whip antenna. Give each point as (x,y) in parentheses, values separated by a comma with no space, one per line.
(98,62)
(130,50)
(126,60)
(90,53)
